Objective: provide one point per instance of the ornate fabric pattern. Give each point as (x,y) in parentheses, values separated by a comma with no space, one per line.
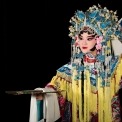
(116,108)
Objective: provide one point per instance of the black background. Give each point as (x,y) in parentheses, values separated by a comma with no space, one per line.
(36,44)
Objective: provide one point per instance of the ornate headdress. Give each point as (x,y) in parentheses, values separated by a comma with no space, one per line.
(103,21)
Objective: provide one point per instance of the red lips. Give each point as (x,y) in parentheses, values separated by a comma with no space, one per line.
(84,47)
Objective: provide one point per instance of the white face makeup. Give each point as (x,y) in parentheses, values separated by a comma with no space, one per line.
(86,42)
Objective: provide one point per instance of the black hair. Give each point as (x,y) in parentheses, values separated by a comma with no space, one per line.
(88,30)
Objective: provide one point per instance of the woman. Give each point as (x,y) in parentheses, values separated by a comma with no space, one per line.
(92,79)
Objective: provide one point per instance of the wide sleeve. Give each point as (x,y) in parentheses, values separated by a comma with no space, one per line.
(62,82)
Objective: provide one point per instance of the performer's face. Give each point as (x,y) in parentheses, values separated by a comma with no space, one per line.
(86,42)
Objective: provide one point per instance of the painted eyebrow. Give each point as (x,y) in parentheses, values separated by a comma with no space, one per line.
(91,36)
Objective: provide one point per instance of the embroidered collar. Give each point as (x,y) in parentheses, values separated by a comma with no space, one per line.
(89,58)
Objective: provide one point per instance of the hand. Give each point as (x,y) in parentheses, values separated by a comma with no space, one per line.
(39,96)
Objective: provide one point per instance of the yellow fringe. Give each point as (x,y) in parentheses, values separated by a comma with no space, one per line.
(118,74)
(93,103)
(88,91)
(107,105)
(100,100)
(109,45)
(74,95)
(112,85)
(80,101)
(74,98)
(67,91)
(85,101)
